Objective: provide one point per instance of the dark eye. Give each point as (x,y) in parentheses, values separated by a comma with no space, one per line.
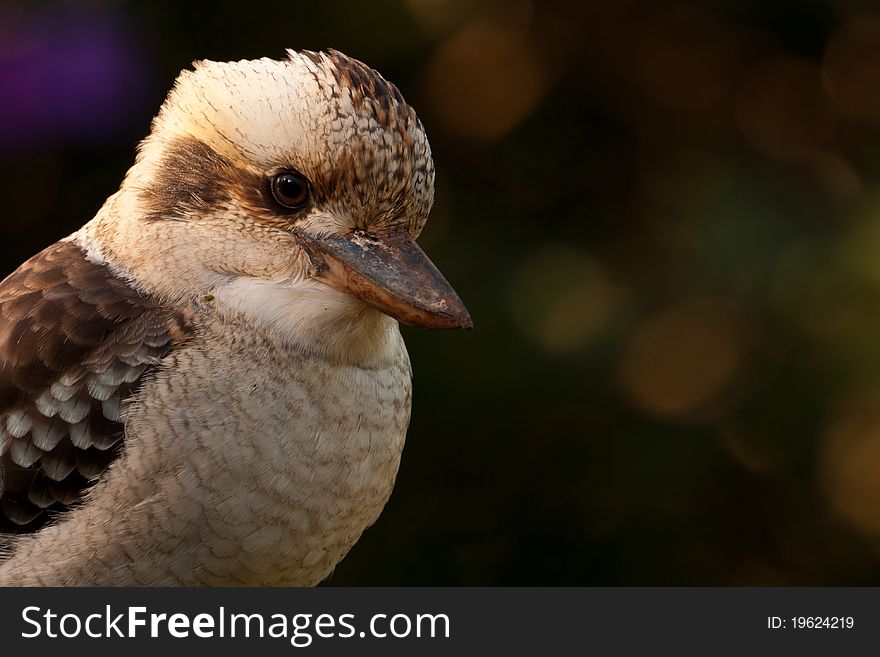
(290,189)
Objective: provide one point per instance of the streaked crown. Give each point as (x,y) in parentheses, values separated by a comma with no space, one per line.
(331,117)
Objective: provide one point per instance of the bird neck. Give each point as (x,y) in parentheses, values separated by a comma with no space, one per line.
(308,316)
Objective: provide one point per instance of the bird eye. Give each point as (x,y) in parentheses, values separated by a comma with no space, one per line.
(290,189)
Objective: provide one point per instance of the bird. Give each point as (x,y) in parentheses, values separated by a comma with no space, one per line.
(206,384)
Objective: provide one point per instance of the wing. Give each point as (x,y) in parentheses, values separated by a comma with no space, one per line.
(75,341)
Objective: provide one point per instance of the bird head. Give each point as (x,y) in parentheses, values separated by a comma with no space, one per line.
(310,175)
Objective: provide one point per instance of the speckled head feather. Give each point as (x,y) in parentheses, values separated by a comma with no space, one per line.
(326,115)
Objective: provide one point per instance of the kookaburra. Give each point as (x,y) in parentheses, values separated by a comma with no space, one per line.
(206,384)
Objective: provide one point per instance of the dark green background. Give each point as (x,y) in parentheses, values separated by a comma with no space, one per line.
(664,220)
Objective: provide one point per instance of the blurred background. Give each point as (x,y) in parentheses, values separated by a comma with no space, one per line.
(664,217)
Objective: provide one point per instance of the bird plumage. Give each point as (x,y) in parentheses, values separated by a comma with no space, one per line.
(75,341)
(198,386)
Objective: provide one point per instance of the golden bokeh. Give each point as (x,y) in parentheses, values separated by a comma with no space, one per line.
(562,298)
(837,177)
(849,467)
(483,81)
(857,250)
(687,58)
(681,363)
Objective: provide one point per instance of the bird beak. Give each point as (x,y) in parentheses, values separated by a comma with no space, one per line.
(390,272)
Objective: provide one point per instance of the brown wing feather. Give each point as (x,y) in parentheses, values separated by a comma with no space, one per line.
(75,341)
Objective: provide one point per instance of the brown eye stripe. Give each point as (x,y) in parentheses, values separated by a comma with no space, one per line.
(192,177)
